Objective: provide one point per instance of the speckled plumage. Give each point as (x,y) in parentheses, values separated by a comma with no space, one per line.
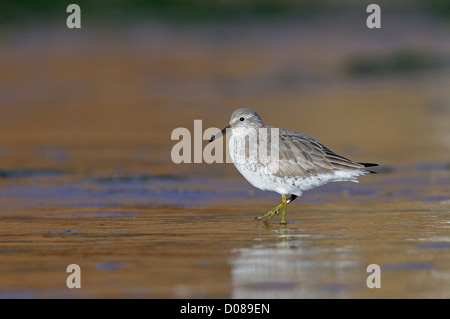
(286,162)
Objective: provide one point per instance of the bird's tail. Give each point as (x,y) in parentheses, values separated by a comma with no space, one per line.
(369,165)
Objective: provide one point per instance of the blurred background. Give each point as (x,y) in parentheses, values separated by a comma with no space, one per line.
(86,115)
(111,92)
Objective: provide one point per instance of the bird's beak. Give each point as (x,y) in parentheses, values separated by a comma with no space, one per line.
(221,133)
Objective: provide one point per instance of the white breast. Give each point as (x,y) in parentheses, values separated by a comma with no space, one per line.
(256,173)
(261,175)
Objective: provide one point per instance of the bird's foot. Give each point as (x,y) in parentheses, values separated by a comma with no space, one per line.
(268,216)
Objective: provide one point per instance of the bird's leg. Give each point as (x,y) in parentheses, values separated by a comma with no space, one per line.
(268,216)
(285,202)
(283,212)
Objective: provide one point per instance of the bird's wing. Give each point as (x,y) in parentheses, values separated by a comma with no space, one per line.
(301,155)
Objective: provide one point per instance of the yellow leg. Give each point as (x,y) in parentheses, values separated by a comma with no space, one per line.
(268,216)
(283,212)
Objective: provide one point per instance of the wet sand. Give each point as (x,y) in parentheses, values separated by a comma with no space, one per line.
(86,175)
(127,250)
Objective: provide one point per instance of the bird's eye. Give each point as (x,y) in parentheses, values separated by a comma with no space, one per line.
(241,119)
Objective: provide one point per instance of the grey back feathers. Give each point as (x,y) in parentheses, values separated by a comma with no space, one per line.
(299,154)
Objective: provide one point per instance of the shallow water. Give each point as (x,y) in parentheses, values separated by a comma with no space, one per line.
(199,243)
(86,176)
